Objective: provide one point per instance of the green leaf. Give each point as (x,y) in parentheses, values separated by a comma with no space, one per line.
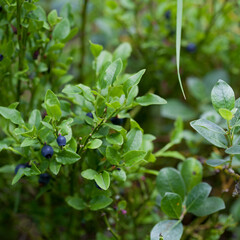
(133,157)
(18,176)
(171,205)
(103,180)
(113,155)
(168,229)
(29,142)
(171,154)
(150,99)
(54,167)
(100,202)
(225,113)
(35,118)
(89,174)
(134,140)
(216,162)
(87,93)
(52,105)
(95,49)
(111,73)
(209,206)
(222,96)
(115,138)
(119,175)
(61,30)
(67,157)
(191,172)
(102,61)
(195,83)
(170,180)
(12,114)
(197,196)
(96,143)
(53,17)
(123,51)
(211,132)
(233,150)
(75,202)
(178,40)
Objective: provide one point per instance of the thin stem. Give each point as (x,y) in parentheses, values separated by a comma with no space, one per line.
(230,139)
(82,37)
(115,235)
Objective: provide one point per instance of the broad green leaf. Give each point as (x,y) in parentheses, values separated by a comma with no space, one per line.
(54,167)
(209,206)
(170,180)
(95,49)
(197,196)
(222,96)
(67,157)
(216,162)
(133,157)
(119,175)
(225,113)
(115,138)
(35,118)
(123,51)
(96,143)
(171,204)
(52,105)
(211,132)
(191,172)
(178,40)
(100,202)
(29,142)
(75,202)
(233,150)
(61,30)
(103,180)
(113,155)
(12,114)
(89,174)
(150,99)
(134,140)
(168,229)
(53,17)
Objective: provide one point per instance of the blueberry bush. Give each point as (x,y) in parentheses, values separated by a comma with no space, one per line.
(89,149)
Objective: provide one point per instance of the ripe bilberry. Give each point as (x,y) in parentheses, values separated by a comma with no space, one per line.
(168,14)
(44,178)
(191,47)
(1,57)
(47,151)
(89,114)
(24,165)
(61,140)
(117,121)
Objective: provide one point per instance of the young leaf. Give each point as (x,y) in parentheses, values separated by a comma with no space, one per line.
(233,150)
(191,172)
(100,202)
(35,118)
(61,30)
(168,229)
(53,17)
(197,196)
(225,113)
(29,142)
(222,96)
(52,105)
(95,49)
(134,140)
(12,114)
(67,157)
(211,132)
(54,167)
(171,205)
(216,162)
(96,143)
(89,174)
(103,180)
(75,202)
(119,175)
(150,99)
(123,51)
(209,206)
(170,180)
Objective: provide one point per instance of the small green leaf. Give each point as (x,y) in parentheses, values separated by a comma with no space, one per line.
(209,206)
(171,205)
(52,105)
(222,96)
(53,17)
(150,99)
(12,114)
(216,162)
(67,157)
(100,202)
(29,142)
(96,143)
(103,180)
(133,80)
(54,167)
(61,30)
(134,140)
(233,150)
(95,49)
(119,175)
(75,202)
(115,138)
(18,176)
(197,196)
(170,180)
(225,113)
(133,157)
(35,118)
(168,229)
(113,155)
(89,174)
(123,51)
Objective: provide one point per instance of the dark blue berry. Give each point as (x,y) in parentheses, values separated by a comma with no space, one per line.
(21,166)
(1,8)
(47,151)
(117,121)
(1,57)
(61,140)
(191,47)
(44,178)
(168,14)
(98,186)
(89,114)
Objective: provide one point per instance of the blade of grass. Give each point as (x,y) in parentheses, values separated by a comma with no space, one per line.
(178,40)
